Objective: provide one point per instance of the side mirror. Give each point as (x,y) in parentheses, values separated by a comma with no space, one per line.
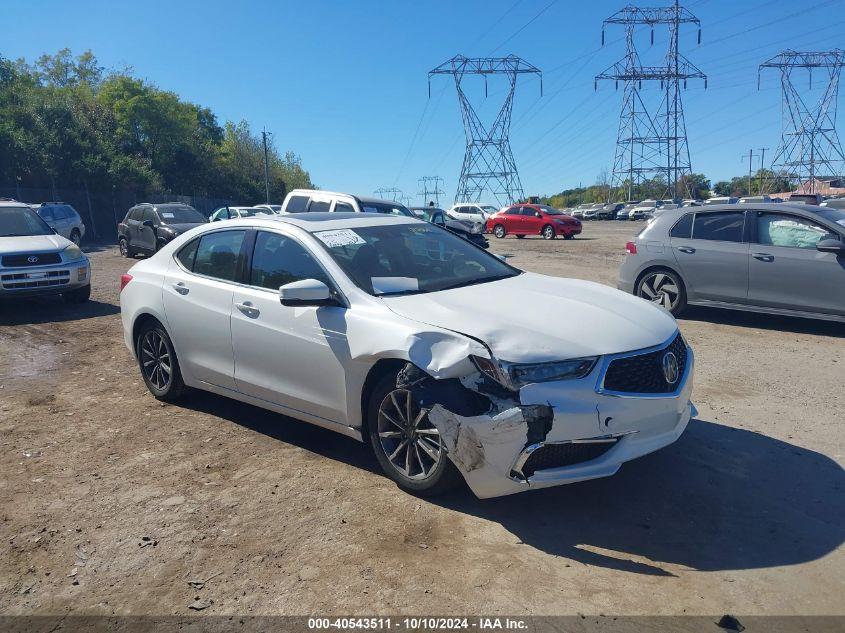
(538,214)
(148,223)
(831,245)
(306,292)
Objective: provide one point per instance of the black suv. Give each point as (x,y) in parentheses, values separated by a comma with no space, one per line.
(147,227)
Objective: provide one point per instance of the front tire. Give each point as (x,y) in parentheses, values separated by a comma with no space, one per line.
(407,445)
(664,288)
(78,295)
(549,232)
(499,231)
(158,363)
(76,237)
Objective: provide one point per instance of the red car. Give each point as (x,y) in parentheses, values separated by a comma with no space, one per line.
(533,219)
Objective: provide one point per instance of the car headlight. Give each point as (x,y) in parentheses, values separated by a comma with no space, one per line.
(517,375)
(475,228)
(72,253)
(561,221)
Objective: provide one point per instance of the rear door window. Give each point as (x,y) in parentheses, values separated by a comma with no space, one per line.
(297,204)
(46,214)
(319,206)
(722,227)
(217,254)
(188,253)
(683,227)
(343,207)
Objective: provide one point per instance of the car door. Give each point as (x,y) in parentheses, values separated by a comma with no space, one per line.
(786,271)
(197,296)
(529,221)
(714,259)
(133,218)
(292,356)
(146,234)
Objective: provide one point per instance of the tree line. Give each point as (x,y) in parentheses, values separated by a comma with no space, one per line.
(692,185)
(65,121)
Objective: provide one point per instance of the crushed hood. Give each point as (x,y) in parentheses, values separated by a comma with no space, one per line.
(537,318)
(33,244)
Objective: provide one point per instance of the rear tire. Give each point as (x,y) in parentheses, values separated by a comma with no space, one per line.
(664,288)
(414,468)
(78,295)
(499,231)
(549,232)
(158,363)
(126,250)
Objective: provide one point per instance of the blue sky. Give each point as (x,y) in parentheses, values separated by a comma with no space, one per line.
(344,84)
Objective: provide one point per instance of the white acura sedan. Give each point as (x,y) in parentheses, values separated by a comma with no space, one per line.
(398,333)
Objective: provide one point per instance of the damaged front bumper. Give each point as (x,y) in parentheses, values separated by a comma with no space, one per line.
(552,433)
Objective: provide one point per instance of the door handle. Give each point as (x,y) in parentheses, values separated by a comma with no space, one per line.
(248,309)
(763,257)
(181,288)
(689,250)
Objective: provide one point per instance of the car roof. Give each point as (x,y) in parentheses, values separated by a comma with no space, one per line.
(327,221)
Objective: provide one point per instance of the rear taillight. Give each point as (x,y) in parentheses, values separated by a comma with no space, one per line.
(124,280)
(631,248)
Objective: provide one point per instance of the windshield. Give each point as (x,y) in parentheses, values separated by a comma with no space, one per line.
(181,215)
(390,209)
(20,221)
(423,214)
(248,212)
(410,258)
(488,209)
(551,210)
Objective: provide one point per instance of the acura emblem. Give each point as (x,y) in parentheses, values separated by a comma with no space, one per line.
(32,259)
(670,367)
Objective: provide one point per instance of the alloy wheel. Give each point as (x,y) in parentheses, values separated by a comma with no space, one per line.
(155,360)
(410,441)
(548,232)
(661,289)
(499,232)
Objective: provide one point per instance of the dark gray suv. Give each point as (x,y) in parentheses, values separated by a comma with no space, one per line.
(776,258)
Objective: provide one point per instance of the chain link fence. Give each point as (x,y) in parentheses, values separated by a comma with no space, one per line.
(101,211)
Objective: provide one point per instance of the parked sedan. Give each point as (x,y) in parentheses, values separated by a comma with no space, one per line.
(63,219)
(470,231)
(774,258)
(533,219)
(147,227)
(370,325)
(228,213)
(36,261)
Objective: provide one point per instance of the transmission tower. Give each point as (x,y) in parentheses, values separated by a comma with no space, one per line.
(809,146)
(651,144)
(488,161)
(431,190)
(389,193)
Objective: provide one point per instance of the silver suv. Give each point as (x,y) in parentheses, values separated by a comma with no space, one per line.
(34,260)
(64,219)
(783,258)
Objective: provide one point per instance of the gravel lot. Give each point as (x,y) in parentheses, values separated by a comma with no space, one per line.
(114,503)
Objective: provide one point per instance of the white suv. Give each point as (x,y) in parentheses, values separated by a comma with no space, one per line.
(317,201)
(472,211)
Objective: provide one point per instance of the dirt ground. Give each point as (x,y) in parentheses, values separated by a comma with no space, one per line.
(112,503)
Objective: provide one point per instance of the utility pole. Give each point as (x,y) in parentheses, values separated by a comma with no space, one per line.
(762,151)
(431,190)
(266,166)
(750,156)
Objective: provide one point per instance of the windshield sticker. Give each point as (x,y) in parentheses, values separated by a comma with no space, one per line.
(389,285)
(842,222)
(167,215)
(341,237)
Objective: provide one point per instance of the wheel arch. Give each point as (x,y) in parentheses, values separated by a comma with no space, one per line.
(381,368)
(654,268)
